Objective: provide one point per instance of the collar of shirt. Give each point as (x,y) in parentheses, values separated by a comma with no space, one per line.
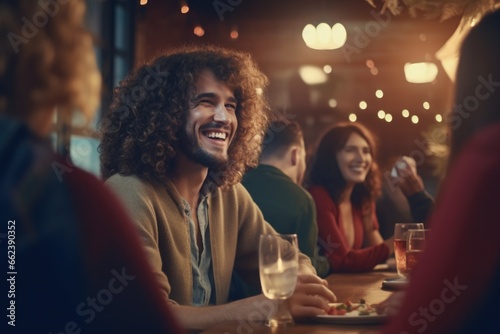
(201,263)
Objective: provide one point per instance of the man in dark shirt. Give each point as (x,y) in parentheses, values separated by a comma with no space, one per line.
(275,188)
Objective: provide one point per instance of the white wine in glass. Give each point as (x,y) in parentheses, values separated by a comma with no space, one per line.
(278,267)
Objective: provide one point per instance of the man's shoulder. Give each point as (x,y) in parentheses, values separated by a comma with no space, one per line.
(131,186)
(270,178)
(126,181)
(237,191)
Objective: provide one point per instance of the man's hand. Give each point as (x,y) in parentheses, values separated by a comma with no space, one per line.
(311,297)
(408,181)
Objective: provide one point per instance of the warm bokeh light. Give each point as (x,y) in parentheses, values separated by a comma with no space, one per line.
(405,113)
(309,34)
(323,33)
(381,114)
(184,9)
(327,69)
(439,118)
(414,119)
(374,71)
(370,63)
(363,105)
(353,117)
(388,118)
(426,105)
(312,75)
(332,103)
(234,34)
(420,72)
(379,93)
(324,37)
(143,2)
(198,31)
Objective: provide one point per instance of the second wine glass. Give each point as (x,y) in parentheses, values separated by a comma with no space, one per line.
(415,245)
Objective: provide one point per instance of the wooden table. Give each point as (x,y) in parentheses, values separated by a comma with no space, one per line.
(346,287)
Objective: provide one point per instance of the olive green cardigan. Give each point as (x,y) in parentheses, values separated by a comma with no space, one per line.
(235,223)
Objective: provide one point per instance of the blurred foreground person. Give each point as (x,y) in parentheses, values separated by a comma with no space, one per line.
(345,181)
(455,286)
(71,260)
(175,155)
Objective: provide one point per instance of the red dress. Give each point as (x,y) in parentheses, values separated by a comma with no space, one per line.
(332,241)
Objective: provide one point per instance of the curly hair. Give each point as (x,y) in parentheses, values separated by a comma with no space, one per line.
(46,59)
(325,170)
(141,131)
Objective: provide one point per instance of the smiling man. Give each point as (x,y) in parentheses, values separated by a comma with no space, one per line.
(179,136)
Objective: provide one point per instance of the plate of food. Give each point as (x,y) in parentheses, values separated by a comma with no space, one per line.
(353,314)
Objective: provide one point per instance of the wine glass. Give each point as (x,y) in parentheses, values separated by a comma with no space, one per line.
(278,268)
(415,245)
(400,237)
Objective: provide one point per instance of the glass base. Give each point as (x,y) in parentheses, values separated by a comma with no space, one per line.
(281,317)
(285,322)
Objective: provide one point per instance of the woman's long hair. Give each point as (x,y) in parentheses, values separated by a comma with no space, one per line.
(477,88)
(325,170)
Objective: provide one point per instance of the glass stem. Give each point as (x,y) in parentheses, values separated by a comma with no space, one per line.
(281,316)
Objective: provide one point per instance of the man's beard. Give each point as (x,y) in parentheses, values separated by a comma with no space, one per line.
(190,146)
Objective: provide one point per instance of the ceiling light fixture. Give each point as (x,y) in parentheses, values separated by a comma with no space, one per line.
(420,72)
(312,75)
(324,37)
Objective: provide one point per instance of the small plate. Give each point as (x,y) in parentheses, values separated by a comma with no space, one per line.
(396,283)
(351,318)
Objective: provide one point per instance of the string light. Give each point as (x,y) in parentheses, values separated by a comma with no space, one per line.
(198,31)
(234,33)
